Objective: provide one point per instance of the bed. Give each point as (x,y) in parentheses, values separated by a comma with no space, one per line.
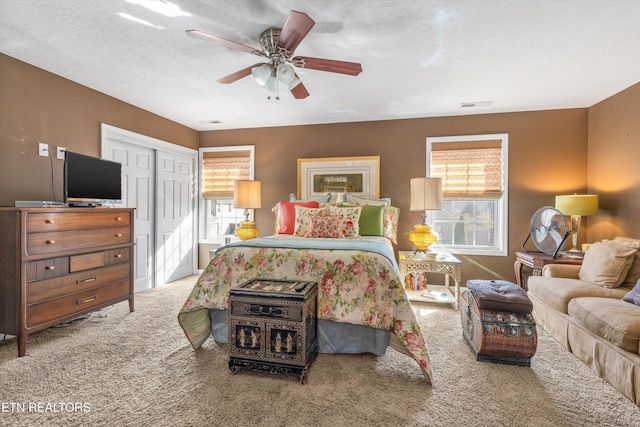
(362,306)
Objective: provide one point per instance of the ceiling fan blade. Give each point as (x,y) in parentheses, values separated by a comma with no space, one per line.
(224,42)
(342,67)
(238,74)
(296,27)
(299,91)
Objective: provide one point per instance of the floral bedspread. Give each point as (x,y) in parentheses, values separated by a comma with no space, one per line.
(355,286)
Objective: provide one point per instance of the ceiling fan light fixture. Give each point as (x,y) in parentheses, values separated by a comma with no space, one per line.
(261,74)
(286,73)
(272,84)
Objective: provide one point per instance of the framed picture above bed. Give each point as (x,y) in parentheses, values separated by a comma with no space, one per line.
(359,176)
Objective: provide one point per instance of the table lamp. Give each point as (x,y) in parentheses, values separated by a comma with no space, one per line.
(577,206)
(246,195)
(426,194)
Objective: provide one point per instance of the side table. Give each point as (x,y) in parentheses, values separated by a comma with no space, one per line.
(535,261)
(443,263)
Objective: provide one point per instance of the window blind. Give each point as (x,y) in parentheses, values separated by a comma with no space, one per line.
(219,171)
(469,169)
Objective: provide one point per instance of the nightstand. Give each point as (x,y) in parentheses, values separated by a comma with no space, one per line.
(535,261)
(430,262)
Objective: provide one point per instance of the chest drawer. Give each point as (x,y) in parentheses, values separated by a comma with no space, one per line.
(60,221)
(76,303)
(47,268)
(60,286)
(116,256)
(267,308)
(43,243)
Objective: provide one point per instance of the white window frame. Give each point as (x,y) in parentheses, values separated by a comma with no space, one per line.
(501,227)
(202,203)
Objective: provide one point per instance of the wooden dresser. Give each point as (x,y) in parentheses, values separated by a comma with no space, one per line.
(59,263)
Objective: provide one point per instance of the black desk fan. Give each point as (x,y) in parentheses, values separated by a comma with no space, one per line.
(549,231)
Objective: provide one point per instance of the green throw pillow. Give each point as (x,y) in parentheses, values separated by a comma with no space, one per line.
(371,223)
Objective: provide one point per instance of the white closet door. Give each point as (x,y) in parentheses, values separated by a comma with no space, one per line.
(138,189)
(176,200)
(159,182)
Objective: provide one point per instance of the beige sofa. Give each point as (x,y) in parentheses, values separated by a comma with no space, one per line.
(583,308)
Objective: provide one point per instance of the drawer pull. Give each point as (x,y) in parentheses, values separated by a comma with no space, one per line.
(118,218)
(49,221)
(86,300)
(118,234)
(50,267)
(118,255)
(90,279)
(50,242)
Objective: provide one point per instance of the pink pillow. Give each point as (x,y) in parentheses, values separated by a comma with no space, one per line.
(329,226)
(285,220)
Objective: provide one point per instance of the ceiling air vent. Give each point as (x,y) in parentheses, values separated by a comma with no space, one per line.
(476,104)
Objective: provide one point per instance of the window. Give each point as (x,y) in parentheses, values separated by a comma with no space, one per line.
(220,167)
(473,168)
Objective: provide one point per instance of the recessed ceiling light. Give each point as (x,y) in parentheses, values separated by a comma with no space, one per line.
(476,104)
(209,122)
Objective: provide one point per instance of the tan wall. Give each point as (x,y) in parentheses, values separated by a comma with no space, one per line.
(38,106)
(547,156)
(548,152)
(614,156)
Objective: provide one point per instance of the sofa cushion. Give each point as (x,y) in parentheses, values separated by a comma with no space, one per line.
(606,264)
(615,320)
(557,292)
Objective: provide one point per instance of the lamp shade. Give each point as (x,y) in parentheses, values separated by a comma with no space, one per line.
(577,204)
(261,73)
(426,194)
(246,194)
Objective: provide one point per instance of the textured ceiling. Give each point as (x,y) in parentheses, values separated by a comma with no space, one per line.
(419,58)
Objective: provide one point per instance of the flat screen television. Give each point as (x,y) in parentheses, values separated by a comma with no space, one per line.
(90,181)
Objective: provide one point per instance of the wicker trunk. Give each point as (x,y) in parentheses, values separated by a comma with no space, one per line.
(498,336)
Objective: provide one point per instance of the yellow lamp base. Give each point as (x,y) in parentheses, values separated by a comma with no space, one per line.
(422,237)
(247,230)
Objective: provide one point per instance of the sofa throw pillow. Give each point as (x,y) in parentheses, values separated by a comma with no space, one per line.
(351,226)
(326,226)
(634,295)
(286,215)
(301,223)
(634,272)
(606,264)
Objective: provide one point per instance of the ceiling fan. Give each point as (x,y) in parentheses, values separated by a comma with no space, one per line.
(278,46)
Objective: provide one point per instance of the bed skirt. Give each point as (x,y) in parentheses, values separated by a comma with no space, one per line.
(333,337)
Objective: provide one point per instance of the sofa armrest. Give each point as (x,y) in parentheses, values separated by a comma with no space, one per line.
(567,271)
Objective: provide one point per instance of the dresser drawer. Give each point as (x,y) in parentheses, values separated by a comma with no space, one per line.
(42,243)
(116,256)
(76,303)
(47,268)
(60,221)
(75,282)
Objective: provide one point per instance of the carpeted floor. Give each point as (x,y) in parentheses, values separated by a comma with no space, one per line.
(137,369)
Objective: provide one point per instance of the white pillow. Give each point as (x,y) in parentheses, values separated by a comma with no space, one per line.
(301,224)
(606,264)
(350,198)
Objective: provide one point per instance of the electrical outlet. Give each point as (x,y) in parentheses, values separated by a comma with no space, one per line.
(60,152)
(43,149)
